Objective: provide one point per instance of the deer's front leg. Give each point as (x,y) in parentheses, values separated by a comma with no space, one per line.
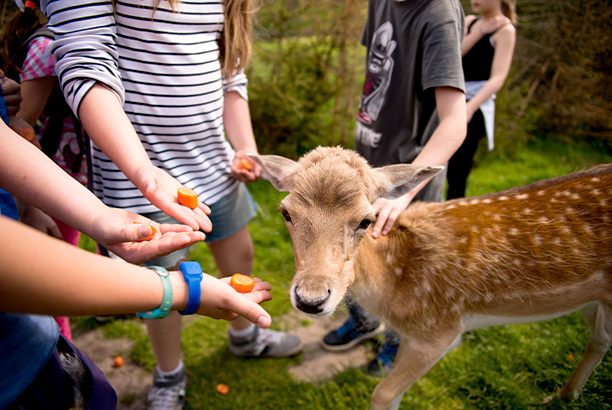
(414,359)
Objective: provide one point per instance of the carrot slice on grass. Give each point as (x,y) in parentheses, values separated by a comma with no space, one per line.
(242,283)
(153,232)
(187,197)
(222,389)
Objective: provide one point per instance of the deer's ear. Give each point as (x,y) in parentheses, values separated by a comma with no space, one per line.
(398,179)
(278,170)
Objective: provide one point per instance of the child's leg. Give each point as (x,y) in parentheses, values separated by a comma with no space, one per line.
(234,254)
(165,337)
(169,379)
(64,324)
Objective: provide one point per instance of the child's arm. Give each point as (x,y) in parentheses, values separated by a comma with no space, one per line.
(35,94)
(11,92)
(237,123)
(505,39)
(470,38)
(31,176)
(109,127)
(445,140)
(86,60)
(46,276)
(37,219)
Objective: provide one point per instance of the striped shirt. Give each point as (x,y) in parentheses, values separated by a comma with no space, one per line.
(164,67)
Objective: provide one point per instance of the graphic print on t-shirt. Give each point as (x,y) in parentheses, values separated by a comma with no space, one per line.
(378,75)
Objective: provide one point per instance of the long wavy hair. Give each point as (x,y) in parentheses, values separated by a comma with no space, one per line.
(508,7)
(15,32)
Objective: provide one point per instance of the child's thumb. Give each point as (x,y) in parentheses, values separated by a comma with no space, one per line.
(141,232)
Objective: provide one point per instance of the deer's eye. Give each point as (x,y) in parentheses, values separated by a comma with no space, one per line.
(286,215)
(364,224)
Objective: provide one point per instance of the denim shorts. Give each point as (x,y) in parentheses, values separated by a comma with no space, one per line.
(228,215)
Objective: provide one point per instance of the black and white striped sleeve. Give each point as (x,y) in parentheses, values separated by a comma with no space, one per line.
(84,49)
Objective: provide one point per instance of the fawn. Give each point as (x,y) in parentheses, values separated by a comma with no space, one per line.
(530,253)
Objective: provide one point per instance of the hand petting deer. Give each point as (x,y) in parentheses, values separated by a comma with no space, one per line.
(530,253)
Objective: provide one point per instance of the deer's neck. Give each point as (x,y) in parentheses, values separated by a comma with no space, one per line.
(408,267)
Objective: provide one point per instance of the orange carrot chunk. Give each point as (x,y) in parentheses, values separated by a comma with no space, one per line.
(153,232)
(118,362)
(222,389)
(245,164)
(242,283)
(187,197)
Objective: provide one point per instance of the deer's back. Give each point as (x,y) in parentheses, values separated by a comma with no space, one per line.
(531,243)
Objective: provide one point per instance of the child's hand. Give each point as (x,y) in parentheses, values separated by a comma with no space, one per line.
(387,212)
(160,188)
(117,231)
(12,94)
(37,219)
(220,301)
(244,168)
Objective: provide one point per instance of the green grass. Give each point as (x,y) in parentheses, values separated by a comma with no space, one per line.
(508,367)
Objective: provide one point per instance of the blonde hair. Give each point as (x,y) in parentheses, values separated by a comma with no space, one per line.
(235,42)
(508,7)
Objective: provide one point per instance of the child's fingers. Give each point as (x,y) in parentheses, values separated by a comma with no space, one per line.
(145,232)
(251,310)
(204,208)
(189,198)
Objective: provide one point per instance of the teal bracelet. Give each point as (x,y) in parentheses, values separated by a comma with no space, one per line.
(163,309)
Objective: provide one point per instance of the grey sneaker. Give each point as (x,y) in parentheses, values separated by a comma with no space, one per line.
(265,343)
(167,393)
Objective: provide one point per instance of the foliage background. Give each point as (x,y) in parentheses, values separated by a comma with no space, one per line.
(308,66)
(553,117)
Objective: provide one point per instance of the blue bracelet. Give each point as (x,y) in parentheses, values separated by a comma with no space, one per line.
(192,272)
(163,309)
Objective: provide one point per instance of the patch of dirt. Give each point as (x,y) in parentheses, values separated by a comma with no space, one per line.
(132,382)
(317,363)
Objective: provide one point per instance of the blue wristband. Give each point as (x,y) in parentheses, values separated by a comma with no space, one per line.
(192,272)
(163,309)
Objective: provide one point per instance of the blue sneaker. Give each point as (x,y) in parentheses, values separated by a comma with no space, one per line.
(347,336)
(384,361)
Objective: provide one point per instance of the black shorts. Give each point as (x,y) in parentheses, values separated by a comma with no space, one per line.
(54,388)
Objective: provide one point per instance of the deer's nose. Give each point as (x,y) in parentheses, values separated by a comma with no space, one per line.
(310,305)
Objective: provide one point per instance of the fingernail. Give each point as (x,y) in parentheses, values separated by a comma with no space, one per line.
(263,322)
(145,231)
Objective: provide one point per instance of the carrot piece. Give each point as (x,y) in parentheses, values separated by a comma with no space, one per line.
(242,283)
(28,134)
(222,389)
(118,362)
(245,164)
(187,197)
(24,129)
(153,232)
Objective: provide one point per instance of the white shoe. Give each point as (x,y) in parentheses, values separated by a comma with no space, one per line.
(167,393)
(265,343)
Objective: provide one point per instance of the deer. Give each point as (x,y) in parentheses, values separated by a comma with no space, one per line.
(530,253)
